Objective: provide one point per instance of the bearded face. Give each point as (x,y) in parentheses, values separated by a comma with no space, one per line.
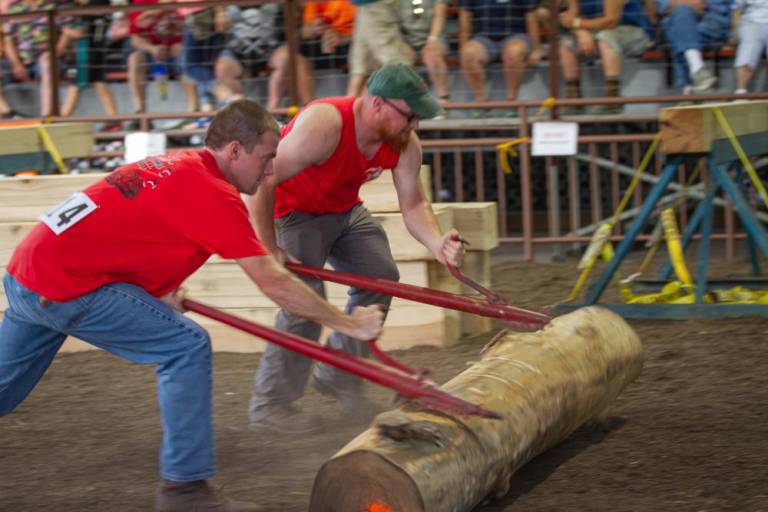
(395,133)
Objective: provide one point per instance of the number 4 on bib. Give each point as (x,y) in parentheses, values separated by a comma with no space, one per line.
(65,215)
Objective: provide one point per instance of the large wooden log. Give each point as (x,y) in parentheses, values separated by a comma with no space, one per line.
(545,384)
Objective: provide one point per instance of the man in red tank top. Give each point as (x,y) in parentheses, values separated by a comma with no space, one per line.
(105,266)
(325,155)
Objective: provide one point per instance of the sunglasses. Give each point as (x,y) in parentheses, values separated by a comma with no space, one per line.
(409,116)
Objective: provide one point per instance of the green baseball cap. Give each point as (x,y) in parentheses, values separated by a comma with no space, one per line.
(397,80)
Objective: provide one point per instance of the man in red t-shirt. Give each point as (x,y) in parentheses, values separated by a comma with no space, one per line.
(105,266)
(325,155)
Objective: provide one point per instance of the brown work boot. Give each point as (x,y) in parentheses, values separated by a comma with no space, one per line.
(572,91)
(197,496)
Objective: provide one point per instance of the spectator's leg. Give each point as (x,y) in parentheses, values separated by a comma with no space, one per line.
(360,59)
(71,99)
(569,60)
(433,57)
(137,80)
(187,83)
(46,101)
(513,59)
(228,72)
(475,56)
(306,79)
(381,30)
(279,61)
(5,107)
(106,97)
(681,31)
(747,54)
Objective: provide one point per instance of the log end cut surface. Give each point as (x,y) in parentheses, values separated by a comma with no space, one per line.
(362,481)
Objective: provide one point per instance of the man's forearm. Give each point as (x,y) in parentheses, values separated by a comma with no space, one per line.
(262,206)
(422,225)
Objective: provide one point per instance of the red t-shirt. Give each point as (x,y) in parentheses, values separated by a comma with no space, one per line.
(165,31)
(334,185)
(155,222)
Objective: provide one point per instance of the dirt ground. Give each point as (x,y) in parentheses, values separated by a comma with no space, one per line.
(690,435)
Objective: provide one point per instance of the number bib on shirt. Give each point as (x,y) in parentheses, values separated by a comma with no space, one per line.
(65,215)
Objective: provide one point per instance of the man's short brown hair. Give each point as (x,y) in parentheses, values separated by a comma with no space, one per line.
(244,121)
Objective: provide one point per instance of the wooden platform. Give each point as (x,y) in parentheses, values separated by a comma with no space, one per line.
(695,128)
(22,148)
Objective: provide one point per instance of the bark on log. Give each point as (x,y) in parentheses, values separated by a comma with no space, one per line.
(545,384)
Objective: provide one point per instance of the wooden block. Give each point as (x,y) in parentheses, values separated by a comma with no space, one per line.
(11,233)
(379,195)
(694,128)
(477,265)
(24,199)
(477,223)
(70,139)
(404,247)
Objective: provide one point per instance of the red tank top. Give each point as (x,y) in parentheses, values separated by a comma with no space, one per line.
(334,185)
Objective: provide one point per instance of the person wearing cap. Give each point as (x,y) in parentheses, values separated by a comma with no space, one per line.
(105,266)
(310,210)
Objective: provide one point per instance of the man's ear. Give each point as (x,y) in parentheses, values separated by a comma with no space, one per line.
(234,149)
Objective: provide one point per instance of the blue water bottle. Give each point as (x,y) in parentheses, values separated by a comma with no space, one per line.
(159,72)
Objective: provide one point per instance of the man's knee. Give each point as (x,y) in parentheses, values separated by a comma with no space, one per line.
(388,271)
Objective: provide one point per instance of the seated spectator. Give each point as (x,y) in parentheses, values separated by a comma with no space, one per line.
(26,45)
(422,23)
(750,27)
(326,30)
(91,37)
(254,43)
(376,40)
(204,39)
(156,41)
(6,111)
(492,30)
(418,32)
(609,29)
(689,26)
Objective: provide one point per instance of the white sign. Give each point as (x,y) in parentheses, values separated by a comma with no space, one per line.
(140,145)
(554,139)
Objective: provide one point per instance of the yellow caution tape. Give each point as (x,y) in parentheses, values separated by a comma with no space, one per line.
(674,246)
(506,150)
(742,155)
(51,148)
(597,246)
(545,105)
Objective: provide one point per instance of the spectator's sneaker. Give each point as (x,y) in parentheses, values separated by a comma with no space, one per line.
(114,126)
(703,80)
(283,419)
(198,496)
(12,114)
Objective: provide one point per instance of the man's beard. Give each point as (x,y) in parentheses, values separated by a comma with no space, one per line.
(398,141)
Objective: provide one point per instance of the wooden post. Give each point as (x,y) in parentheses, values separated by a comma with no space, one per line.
(545,385)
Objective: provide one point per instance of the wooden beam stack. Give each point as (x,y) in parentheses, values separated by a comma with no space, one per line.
(222,283)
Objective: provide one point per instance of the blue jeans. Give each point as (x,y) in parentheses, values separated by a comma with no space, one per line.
(685,29)
(199,59)
(128,322)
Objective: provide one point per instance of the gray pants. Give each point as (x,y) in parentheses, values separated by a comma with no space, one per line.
(351,242)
